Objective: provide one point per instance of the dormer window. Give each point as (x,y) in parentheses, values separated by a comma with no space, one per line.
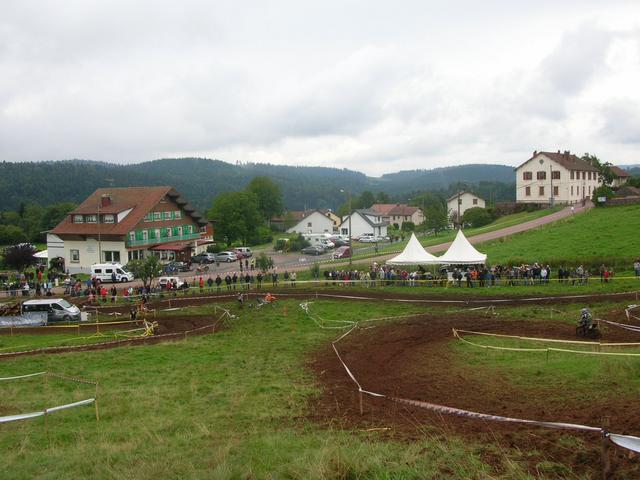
(108,218)
(157,216)
(78,219)
(91,219)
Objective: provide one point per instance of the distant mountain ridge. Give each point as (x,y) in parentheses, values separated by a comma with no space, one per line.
(201,179)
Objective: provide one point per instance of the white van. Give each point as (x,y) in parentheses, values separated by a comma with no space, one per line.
(57,309)
(319,239)
(104,272)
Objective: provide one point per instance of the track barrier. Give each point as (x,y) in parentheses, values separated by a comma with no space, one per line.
(626,441)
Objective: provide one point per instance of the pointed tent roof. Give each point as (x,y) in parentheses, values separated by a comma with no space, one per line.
(414,254)
(462,252)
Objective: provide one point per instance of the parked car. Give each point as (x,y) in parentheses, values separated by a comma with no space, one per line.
(226,257)
(107,272)
(163,281)
(57,309)
(372,239)
(244,251)
(313,250)
(204,257)
(327,244)
(172,267)
(339,242)
(342,252)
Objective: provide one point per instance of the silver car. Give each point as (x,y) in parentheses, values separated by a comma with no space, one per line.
(226,257)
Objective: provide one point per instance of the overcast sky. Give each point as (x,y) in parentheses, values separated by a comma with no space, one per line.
(372,86)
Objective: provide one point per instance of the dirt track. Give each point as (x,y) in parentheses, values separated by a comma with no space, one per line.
(413,359)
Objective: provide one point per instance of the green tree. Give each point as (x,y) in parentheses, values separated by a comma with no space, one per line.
(476,217)
(382,197)
(366,199)
(146,269)
(235,216)
(11,235)
(436,217)
(54,214)
(268,196)
(264,262)
(19,256)
(408,226)
(601,191)
(605,174)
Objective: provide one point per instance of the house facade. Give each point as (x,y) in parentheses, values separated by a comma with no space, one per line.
(398,213)
(462,201)
(314,221)
(620,177)
(364,221)
(123,224)
(548,178)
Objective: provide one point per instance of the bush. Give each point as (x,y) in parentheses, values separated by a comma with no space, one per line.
(261,236)
(603,191)
(215,248)
(408,226)
(315,271)
(295,243)
(476,217)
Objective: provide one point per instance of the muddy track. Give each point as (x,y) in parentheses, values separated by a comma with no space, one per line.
(413,359)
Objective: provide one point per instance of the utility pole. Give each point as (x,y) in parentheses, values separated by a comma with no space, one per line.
(99,238)
(459,200)
(350,234)
(552,200)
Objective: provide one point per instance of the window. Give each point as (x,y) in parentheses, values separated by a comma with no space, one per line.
(556,191)
(475,201)
(555,174)
(541,175)
(572,174)
(78,219)
(308,224)
(571,188)
(136,254)
(527,175)
(145,235)
(157,233)
(584,175)
(111,256)
(109,219)
(74,255)
(157,216)
(527,191)
(177,214)
(180,231)
(167,215)
(91,218)
(541,191)
(148,217)
(589,190)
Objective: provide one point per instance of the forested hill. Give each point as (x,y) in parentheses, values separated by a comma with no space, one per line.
(200,180)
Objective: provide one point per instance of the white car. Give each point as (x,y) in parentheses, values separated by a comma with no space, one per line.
(372,239)
(163,281)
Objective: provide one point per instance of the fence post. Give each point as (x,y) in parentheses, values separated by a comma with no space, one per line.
(604,450)
(361,406)
(96,403)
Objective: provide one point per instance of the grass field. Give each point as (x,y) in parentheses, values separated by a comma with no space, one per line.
(232,405)
(601,235)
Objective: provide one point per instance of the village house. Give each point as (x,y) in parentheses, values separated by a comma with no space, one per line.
(620,177)
(398,213)
(122,224)
(314,221)
(364,221)
(462,201)
(549,178)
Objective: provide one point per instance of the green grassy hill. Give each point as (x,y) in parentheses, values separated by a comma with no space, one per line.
(602,235)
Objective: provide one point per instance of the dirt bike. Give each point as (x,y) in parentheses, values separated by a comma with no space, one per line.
(202,269)
(587,327)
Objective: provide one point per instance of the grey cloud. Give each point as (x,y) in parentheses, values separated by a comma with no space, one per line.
(621,121)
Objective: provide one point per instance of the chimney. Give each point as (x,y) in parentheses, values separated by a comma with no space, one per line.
(566,154)
(558,150)
(535,152)
(105,200)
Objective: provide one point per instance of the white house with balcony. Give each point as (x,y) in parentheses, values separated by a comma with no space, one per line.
(122,224)
(555,177)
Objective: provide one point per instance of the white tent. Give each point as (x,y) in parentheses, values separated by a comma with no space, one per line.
(414,254)
(462,252)
(42,254)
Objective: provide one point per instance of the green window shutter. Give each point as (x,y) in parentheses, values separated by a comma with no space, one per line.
(138,234)
(152,233)
(175,231)
(163,232)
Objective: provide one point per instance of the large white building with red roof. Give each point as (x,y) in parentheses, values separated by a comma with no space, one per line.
(555,177)
(398,213)
(122,224)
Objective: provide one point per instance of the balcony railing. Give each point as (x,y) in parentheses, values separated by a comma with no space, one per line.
(156,241)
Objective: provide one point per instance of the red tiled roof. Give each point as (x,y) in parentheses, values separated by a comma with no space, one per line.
(402,209)
(618,172)
(383,208)
(567,160)
(140,200)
